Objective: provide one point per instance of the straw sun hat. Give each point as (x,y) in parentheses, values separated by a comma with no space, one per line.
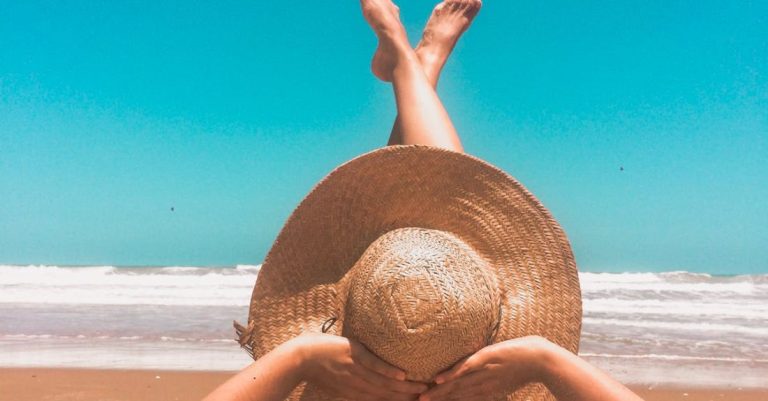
(423,255)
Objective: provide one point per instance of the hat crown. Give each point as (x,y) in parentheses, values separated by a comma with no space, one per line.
(421,300)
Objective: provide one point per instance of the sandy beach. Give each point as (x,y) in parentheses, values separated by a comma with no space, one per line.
(165,333)
(41,384)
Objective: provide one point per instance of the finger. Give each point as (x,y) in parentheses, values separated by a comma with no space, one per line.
(364,357)
(461,368)
(344,391)
(358,389)
(449,389)
(438,392)
(398,386)
(479,385)
(481,391)
(369,392)
(353,386)
(364,395)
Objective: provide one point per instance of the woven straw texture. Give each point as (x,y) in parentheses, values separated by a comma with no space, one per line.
(468,212)
(421,300)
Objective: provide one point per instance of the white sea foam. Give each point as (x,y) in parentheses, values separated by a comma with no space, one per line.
(108,285)
(676,292)
(674,282)
(644,276)
(249,268)
(672,357)
(713,329)
(632,321)
(87,337)
(756,309)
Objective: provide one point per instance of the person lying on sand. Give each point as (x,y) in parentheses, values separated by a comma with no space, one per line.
(421,256)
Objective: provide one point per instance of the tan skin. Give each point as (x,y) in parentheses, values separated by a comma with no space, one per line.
(422,119)
(345,368)
(448,21)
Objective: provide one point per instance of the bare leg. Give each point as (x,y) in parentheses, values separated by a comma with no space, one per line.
(423,119)
(448,21)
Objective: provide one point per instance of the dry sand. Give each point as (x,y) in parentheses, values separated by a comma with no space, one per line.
(40,384)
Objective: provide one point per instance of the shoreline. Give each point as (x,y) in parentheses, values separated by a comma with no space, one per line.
(63,384)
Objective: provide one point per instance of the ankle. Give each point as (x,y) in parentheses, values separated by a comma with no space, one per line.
(431,64)
(407,65)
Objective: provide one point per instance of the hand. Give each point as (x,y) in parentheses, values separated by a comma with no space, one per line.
(499,367)
(345,368)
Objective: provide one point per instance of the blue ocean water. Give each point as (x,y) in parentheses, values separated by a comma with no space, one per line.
(640,327)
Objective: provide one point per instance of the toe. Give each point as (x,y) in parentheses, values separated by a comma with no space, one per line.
(474,7)
(439,8)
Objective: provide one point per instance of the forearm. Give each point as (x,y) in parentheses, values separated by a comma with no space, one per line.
(570,378)
(271,378)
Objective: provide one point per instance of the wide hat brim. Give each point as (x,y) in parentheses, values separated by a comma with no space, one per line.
(299,286)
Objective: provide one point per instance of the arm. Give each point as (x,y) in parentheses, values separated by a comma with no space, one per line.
(569,377)
(512,364)
(341,367)
(271,378)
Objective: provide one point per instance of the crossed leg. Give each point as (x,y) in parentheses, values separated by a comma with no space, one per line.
(422,119)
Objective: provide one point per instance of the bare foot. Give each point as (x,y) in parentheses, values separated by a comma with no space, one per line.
(384,17)
(448,21)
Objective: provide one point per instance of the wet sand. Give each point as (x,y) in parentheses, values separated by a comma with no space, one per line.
(43,384)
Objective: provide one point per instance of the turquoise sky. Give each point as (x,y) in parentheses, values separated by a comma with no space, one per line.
(113,112)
